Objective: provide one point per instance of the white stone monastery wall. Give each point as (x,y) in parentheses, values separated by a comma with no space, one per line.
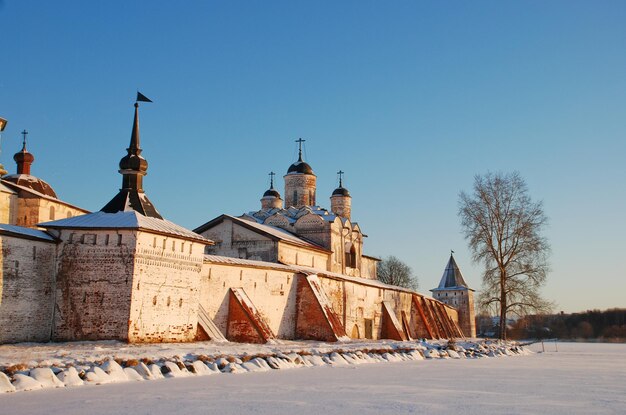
(26,289)
(165,289)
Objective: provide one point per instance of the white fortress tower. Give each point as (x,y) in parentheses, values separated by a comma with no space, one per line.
(453,291)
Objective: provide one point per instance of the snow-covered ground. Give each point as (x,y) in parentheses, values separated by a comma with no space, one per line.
(578,379)
(80,353)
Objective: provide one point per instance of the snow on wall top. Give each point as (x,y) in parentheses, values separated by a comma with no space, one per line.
(217,259)
(22,231)
(125,220)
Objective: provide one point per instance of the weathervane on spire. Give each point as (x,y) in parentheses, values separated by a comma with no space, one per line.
(142,98)
(300,141)
(340,173)
(271,174)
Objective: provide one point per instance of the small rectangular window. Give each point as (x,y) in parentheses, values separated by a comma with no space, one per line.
(119,240)
(106,239)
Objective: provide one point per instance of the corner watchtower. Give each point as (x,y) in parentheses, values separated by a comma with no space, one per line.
(453,291)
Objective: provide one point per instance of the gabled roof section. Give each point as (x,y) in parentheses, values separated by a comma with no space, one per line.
(452,277)
(126,220)
(272,232)
(22,232)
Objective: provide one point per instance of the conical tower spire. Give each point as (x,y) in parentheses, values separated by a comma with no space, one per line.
(132,168)
(452,276)
(134,137)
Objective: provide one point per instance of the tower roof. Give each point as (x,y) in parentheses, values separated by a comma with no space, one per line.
(133,161)
(125,220)
(452,277)
(24,159)
(32,182)
(341,191)
(300,166)
(271,192)
(133,167)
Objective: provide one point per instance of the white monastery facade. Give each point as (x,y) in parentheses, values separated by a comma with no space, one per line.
(291,270)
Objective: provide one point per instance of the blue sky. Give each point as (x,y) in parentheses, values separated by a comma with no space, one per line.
(411,99)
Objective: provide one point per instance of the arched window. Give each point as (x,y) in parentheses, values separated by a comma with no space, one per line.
(51,212)
(350,256)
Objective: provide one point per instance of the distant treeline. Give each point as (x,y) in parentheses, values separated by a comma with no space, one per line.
(608,325)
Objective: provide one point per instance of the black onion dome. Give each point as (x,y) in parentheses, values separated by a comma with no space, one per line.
(271,193)
(134,162)
(341,191)
(300,167)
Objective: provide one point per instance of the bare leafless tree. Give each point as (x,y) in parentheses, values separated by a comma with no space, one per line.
(395,272)
(503,227)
